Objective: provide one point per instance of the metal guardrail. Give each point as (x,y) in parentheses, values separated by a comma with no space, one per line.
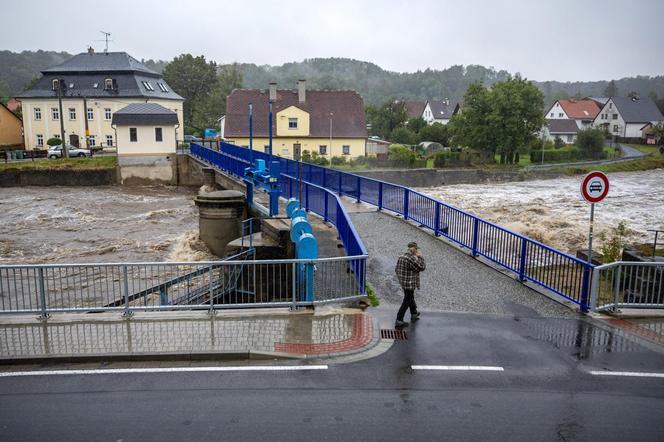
(628,285)
(150,286)
(527,259)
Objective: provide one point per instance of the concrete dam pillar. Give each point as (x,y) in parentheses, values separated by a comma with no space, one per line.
(220,216)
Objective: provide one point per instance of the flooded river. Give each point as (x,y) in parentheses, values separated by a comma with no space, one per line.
(552,211)
(99,224)
(110,224)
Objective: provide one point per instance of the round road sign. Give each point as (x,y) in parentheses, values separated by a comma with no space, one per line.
(594,187)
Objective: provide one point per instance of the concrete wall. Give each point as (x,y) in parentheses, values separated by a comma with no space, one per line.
(147,169)
(435,178)
(99,126)
(16,178)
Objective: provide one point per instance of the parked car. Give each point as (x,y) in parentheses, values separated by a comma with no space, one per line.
(56,151)
(191,139)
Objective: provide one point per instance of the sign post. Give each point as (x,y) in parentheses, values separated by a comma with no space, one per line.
(594,188)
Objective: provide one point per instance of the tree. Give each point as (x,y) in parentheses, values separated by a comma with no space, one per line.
(591,142)
(416,124)
(611,89)
(403,135)
(436,132)
(213,106)
(503,119)
(196,80)
(401,155)
(386,118)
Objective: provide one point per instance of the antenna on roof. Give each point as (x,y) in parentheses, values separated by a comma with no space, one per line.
(106,35)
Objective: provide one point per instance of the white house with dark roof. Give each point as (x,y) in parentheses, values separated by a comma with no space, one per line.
(625,117)
(146,142)
(563,128)
(439,111)
(96,86)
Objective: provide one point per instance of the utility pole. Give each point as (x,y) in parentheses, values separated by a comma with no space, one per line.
(331,115)
(87,131)
(61,85)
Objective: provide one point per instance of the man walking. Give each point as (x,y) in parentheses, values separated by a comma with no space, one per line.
(409,266)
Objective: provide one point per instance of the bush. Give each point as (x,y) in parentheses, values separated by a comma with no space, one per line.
(54,141)
(591,142)
(399,153)
(555,156)
(439,160)
(338,161)
(558,142)
(306,156)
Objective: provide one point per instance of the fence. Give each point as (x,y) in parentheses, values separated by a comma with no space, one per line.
(129,287)
(529,260)
(628,285)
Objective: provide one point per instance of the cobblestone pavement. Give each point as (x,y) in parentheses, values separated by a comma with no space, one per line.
(300,334)
(651,329)
(453,281)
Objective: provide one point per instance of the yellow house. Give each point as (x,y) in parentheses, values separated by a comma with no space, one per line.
(96,85)
(10,128)
(331,123)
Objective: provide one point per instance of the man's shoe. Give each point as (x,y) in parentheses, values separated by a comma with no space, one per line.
(415,317)
(399,324)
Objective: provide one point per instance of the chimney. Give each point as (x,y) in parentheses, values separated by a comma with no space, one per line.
(273,91)
(301,91)
(91,50)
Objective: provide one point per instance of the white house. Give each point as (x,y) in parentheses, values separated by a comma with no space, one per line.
(439,111)
(565,129)
(146,140)
(627,117)
(583,112)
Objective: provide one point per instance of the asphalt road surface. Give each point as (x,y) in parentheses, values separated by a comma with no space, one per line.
(457,377)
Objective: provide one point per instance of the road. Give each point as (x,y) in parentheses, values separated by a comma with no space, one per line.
(536,384)
(628,153)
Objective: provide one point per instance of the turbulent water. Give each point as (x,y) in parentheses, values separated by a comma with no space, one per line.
(553,212)
(99,224)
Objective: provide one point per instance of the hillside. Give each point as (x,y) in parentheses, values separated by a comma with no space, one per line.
(371,81)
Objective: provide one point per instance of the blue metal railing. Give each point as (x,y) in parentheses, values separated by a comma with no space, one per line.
(528,259)
(315,198)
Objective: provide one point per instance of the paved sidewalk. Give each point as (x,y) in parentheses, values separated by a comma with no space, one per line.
(327,332)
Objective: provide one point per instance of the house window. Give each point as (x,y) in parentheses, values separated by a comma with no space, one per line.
(162,87)
(147,85)
(72,113)
(109,140)
(91,114)
(56,136)
(615,116)
(292,123)
(55,113)
(158,136)
(322,150)
(570,138)
(133,136)
(266,148)
(108,84)
(345,150)
(40,140)
(610,105)
(92,141)
(560,115)
(37,113)
(551,114)
(615,128)
(107,113)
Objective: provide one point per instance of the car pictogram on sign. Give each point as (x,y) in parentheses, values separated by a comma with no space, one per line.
(595,186)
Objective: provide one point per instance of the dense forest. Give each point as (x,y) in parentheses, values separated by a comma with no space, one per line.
(376,85)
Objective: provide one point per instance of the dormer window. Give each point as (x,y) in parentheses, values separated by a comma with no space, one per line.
(292,123)
(108,84)
(147,85)
(55,85)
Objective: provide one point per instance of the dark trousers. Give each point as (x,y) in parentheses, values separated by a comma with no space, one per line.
(408,303)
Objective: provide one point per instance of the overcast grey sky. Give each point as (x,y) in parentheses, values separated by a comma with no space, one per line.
(543,40)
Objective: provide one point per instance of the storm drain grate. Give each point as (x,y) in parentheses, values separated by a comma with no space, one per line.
(393,334)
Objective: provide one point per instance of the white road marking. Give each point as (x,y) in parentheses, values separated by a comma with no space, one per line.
(164,370)
(638,374)
(457,367)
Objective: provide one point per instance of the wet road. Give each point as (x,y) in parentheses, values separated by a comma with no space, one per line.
(545,390)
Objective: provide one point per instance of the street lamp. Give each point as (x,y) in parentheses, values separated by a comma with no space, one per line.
(331,115)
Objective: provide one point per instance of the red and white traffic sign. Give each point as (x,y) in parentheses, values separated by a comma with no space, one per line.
(594,187)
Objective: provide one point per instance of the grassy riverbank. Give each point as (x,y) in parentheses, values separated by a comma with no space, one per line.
(94,163)
(647,163)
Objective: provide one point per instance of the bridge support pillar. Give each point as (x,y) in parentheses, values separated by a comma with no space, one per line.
(220,216)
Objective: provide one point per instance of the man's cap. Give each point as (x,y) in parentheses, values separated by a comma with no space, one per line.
(412,244)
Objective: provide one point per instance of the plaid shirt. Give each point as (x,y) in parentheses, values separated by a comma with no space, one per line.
(408,270)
